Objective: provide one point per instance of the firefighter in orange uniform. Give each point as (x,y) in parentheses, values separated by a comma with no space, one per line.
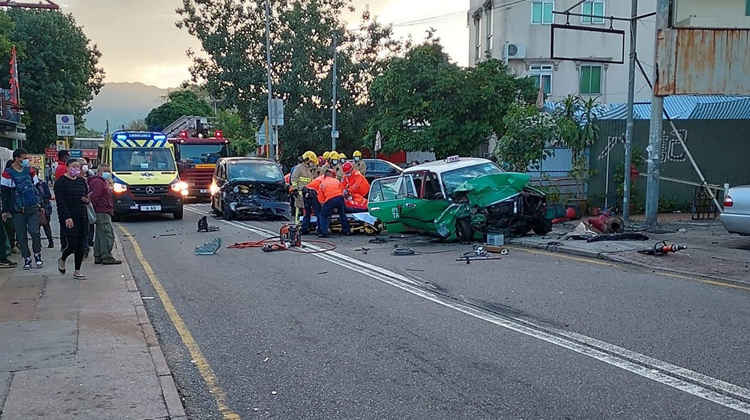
(355,187)
(331,197)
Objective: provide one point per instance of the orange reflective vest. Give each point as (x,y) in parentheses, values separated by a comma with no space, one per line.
(329,188)
(356,184)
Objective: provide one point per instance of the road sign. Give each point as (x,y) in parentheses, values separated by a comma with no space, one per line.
(335,134)
(66,125)
(76,153)
(62,145)
(261,138)
(37,161)
(277,110)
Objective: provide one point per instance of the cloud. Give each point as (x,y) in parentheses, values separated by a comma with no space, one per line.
(140,42)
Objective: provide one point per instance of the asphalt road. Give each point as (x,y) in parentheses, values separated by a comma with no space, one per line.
(354,335)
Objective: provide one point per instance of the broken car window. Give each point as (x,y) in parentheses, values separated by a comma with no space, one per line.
(455,178)
(254,171)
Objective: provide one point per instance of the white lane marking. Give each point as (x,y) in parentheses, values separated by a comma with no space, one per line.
(680,378)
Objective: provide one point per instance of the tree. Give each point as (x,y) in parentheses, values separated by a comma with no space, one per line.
(424,102)
(241,133)
(578,131)
(179,103)
(137,125)
(528,133)
(233,67)
(57,68)
(6,32)
(88,133)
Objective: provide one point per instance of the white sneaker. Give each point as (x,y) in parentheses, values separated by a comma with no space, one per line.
(39,262)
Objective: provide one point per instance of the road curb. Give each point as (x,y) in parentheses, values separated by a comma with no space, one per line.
(169,392)
(559,247)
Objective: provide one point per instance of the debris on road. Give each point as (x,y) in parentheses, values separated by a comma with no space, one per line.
(209,248)
(607,223)
(204,227)
(662,248)
(399,251)
(378,241)
(289,239)
(363,250)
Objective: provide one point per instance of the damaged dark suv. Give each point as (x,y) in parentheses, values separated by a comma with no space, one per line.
(247,187)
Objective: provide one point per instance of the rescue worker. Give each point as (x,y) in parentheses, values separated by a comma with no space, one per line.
(359,164)
(336,165)
(311,194)
(331,198)
(342,158)
(355,187)
(303,174)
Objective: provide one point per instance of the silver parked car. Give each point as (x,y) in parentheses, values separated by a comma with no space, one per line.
(736,216)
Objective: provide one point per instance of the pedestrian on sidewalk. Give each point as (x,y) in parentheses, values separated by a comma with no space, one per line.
(101,198)
(4,244)
(85,174)
(71,195)
(10,230)
(62,158)
(46,214)
(22,203)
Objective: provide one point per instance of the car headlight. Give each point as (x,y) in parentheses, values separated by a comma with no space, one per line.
(119,188)
(179,186)
(214,188)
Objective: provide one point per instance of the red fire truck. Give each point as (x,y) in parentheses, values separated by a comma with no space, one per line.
(197,149)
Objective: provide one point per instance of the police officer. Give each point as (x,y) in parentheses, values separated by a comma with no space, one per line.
(359,164)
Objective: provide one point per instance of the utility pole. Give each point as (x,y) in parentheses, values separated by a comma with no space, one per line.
(631,100)
(107,129)
(334,133)
(271,117)
(655,132)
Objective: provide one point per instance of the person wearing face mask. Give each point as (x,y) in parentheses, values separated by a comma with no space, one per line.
(336,165)
(72,195)
(359,164)
(303,175)
(85,174)
(21,202)
(46,211)
(101,199)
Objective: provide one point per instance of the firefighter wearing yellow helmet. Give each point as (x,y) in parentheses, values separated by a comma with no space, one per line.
(336,165)
(326,155)
(359,164)
(303,175)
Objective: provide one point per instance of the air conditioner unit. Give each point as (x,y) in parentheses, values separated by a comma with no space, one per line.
(515,51)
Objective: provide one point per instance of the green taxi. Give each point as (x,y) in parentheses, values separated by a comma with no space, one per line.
(459,199)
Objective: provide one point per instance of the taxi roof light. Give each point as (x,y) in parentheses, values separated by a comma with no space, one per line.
(452,159)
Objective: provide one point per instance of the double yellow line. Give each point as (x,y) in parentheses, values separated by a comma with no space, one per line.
(187,338)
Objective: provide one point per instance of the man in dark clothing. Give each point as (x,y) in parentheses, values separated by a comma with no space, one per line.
(62,157)
(21,202)
(101,198)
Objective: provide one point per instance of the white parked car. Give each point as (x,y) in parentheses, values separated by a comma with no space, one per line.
(736,215)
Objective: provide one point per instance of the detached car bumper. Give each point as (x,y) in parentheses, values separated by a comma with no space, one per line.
(736,223)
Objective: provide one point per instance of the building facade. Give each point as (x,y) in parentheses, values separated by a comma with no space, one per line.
(519,32)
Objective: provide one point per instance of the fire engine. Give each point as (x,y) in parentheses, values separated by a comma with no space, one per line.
(197,149)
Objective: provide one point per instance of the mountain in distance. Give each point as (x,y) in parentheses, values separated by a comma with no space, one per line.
(121,103)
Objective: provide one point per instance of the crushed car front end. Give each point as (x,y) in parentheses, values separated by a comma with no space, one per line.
(258,200)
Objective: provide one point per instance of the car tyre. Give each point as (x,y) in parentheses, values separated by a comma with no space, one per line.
(179,214)
(543,227)
(464,231)
(228,213)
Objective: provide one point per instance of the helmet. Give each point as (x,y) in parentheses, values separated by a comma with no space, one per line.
(348,167)
(357,153)
(333,156)
(326,155)
(321,161)
(310,155)
(342,156)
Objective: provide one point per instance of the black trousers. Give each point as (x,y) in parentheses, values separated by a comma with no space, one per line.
(73,245)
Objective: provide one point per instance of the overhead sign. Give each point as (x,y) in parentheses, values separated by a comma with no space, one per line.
(66,125)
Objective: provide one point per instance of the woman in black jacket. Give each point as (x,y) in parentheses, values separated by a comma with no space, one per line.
(71,195)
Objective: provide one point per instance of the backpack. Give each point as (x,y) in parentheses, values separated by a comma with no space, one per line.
(25,195)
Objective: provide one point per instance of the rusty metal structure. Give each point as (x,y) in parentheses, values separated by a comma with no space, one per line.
(703,62)
(46,4)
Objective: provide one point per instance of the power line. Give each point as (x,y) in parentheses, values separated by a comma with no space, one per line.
(427,20)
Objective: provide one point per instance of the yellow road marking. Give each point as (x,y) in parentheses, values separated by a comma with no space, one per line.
(563,256)
(187,338)
(655,270)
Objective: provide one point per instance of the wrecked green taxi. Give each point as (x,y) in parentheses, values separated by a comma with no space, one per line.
(459,199)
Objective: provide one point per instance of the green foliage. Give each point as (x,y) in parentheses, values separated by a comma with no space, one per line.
(241,133)
(137,125)
(578,131)
(86,132)
(233,68)
(528,132)
(179,103)
(424,102)
(58,70)
(6,31)
(618,178)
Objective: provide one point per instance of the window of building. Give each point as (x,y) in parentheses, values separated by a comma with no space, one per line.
(595,8)
(591,79)
(477,38)
(541,12)
(488,12)
(542,73)
(747,8)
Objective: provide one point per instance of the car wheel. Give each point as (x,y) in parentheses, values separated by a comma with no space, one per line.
(464,231)
(228,213)
(543,227)
(178,215)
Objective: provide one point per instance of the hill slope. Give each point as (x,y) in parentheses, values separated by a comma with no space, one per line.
(121,103)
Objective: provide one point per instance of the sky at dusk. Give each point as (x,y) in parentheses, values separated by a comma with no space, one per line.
(140,43)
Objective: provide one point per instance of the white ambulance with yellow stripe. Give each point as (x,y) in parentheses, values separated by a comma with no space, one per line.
(144,173)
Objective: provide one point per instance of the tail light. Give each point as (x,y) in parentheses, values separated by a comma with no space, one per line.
(728,202)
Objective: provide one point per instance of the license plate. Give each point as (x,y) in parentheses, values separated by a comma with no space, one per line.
(150,208)
(204,191)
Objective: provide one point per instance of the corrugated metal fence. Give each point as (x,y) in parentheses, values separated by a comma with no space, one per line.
(720,147)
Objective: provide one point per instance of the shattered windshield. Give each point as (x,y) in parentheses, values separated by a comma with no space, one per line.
(455,178)
(254,171)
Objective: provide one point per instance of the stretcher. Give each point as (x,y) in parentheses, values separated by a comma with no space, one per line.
(359,222)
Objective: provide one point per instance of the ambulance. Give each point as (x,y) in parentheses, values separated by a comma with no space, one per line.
(144,173)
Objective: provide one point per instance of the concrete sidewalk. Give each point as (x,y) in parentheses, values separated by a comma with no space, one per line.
(712,252)
(80,349)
